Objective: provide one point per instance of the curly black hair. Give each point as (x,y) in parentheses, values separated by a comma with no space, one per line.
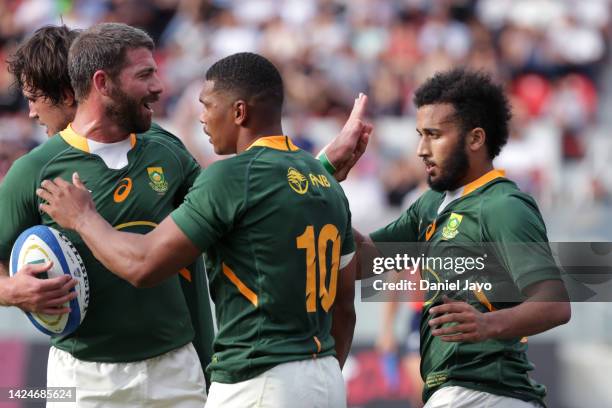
(477,100)
(251,77)
(40,64)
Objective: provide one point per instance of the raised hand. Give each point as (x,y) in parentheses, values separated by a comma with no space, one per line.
(348,147)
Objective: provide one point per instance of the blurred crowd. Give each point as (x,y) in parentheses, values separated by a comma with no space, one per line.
(550,55)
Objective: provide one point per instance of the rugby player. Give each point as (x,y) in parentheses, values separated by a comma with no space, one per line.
(276,231)
(473,351)
(126,330)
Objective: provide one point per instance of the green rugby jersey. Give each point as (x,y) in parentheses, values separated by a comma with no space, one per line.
(275,228)
(490,217)
(123,323)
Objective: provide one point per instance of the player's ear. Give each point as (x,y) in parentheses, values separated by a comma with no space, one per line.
(241,112)
(101,82)
(476,139)
(68,98)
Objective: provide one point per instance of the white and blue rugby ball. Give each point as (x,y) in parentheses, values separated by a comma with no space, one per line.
(40,244)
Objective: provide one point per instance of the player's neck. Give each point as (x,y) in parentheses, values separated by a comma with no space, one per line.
(91,122)
(476,171)
(247,136)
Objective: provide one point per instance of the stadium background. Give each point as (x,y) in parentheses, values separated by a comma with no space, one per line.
(552,56)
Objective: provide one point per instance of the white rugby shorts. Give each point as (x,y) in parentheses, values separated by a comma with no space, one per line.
(312,383)
(461,397)
(174,379)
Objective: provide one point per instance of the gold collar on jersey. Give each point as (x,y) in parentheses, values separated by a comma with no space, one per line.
(80,142)
(281,142)
(482,180)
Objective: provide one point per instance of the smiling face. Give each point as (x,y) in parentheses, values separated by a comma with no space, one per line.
(133,92)
(442,146)
(55,117)
(218,118)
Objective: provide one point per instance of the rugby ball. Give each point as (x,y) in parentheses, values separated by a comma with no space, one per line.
(40,244)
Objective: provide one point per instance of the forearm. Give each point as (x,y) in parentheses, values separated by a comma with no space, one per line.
(4,293)
(547,306)
(143,260)
(527,319)
(365,252)
(4,287)
(343,317)
(343,328)
(122,253)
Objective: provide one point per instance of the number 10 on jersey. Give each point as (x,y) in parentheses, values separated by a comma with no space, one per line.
(317,249)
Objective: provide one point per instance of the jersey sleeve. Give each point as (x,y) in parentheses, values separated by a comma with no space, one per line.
(403,229)
(213,204)
(18,204)
(519,239)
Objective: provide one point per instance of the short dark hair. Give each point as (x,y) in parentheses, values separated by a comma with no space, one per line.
(103,46)
(40,64)
(477,100)
(250,76)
